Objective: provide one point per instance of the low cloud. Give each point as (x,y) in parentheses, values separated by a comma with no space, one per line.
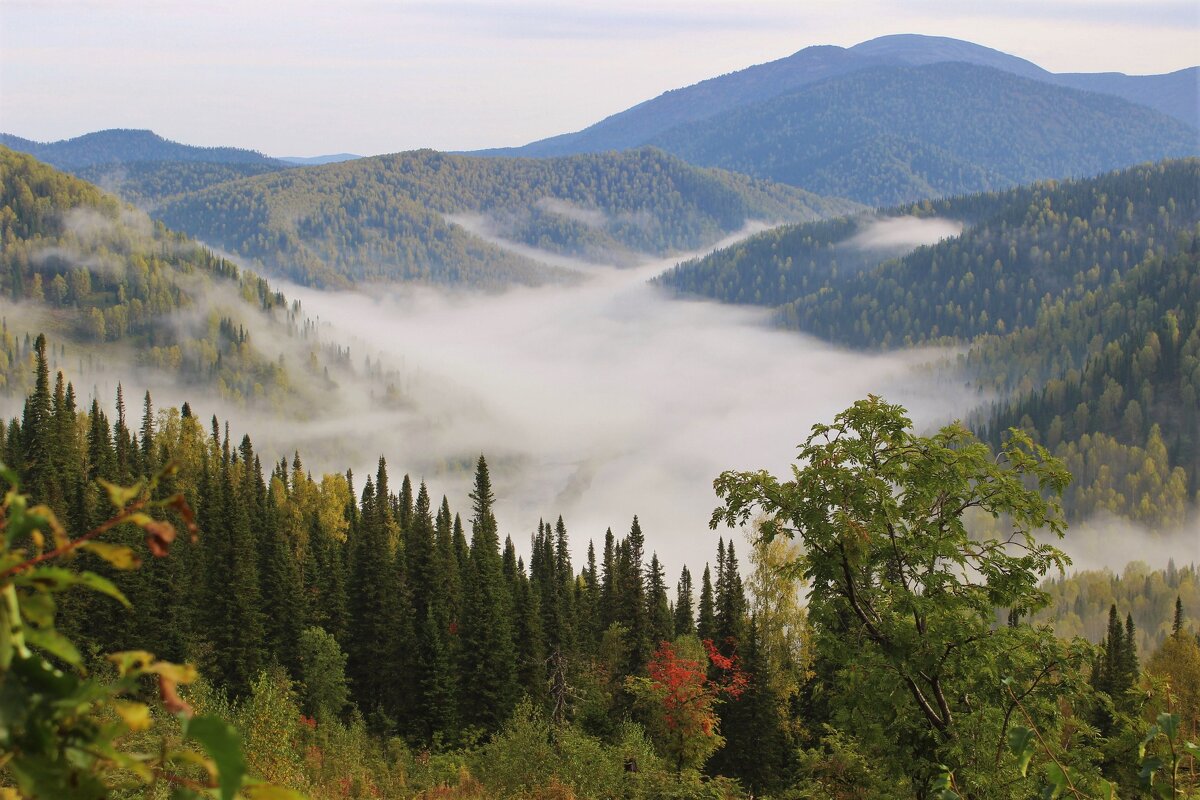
(902,234)
(598,400)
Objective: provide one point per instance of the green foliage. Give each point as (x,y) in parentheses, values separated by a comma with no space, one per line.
(1078,299)
(323,674)
(99,273)
(902,599)
(65,733)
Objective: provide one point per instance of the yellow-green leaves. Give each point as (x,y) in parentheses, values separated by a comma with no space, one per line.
(119,555)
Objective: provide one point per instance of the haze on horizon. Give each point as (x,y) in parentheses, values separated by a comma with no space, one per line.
(304,78)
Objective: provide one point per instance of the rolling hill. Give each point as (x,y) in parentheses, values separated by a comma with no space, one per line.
(441,218)
(1078,302)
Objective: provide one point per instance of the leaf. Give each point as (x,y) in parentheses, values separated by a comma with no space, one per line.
(1020,742)
(1058,781)
(38,608)
(120,496)
(1150,766)
(224,746)
(171,699)
(119,555)
(1168,724)
(54,643)
(135,715)
(159,535)
(57,579)
(1150,734)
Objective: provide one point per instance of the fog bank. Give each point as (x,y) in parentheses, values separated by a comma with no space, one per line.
(597,401)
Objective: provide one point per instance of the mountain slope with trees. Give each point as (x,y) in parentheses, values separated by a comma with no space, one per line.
(105,280)
(127,146)
(411,215)
(890,135)
(1173,94)
(1078,300)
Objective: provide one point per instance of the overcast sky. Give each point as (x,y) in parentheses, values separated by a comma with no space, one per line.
(296,77)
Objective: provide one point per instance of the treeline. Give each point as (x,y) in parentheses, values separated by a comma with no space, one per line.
(444,628)
(382,615)
(1080,602)
(386,217)
(99,272)
(148,183)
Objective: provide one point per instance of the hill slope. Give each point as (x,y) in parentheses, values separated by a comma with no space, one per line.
(123,146)
(427,216)
(98,277)
(1079,300)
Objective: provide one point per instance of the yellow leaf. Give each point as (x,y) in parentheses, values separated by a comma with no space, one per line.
(120,496)
(135,715)
(118,555)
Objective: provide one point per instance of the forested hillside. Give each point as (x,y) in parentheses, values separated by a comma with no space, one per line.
(890,135)
(370,642)
(395,217)
(1173,94)
(120,146)
(117,288)
(1079,299)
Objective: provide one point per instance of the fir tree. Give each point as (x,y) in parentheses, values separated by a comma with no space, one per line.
(685,612)
(489,687)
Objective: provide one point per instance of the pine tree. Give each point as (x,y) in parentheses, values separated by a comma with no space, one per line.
(1177,623)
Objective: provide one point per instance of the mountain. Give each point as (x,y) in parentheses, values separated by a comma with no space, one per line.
(123,146)
(893,134)
(1174,94)
(1078,300)
(442,218)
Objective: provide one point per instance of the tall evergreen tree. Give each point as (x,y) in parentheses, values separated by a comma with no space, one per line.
(489,686)
(662,624)
(685,611)
(706,626)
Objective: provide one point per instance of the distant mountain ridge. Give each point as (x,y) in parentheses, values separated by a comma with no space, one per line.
(124,146)
(889,135)
(1174,94)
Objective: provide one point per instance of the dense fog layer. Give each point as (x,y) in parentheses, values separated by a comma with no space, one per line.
(596,401)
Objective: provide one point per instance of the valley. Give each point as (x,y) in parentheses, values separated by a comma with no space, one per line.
(829,428)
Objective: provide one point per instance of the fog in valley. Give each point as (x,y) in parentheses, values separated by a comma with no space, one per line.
(598,400)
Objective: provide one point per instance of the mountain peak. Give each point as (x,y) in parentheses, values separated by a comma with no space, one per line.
(918,49)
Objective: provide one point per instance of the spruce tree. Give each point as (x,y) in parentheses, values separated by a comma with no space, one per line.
(706,626)
(685,612)
(487,670)
(662,624)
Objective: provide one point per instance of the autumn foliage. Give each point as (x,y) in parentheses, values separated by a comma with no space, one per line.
(680,695)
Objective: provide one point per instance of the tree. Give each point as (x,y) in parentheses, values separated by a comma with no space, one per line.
(682,699)
(902,595)
(323,674)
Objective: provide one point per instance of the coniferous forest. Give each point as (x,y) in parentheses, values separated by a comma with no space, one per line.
(204,595)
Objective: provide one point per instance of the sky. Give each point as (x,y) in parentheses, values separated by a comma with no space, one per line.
(300,78)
